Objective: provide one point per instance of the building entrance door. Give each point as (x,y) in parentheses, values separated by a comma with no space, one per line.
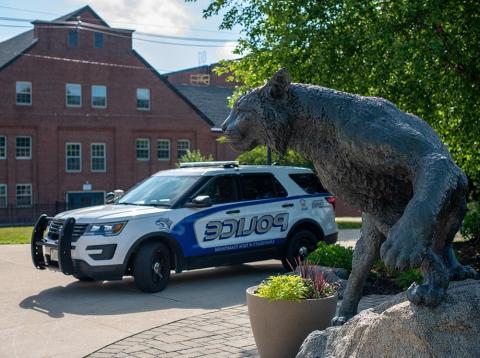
(77,200)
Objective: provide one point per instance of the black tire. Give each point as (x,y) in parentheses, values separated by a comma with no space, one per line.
(300,245)
(84,278)
(151,267)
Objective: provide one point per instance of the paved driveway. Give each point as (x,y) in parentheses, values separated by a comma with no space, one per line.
(48,314)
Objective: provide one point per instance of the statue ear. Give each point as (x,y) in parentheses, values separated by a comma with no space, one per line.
(277,87)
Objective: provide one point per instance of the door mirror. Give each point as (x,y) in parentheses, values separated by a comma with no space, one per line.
(201,201)
(112,196)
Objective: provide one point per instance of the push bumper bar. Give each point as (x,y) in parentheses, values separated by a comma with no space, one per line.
(64,246)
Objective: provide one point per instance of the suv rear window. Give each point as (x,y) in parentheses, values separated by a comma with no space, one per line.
(261,186)
(309,183)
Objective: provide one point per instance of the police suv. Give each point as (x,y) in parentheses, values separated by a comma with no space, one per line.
(200,215)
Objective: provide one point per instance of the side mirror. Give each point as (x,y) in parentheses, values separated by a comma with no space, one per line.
(201,201)
(112,196)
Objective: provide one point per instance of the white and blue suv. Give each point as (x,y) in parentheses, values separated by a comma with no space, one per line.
(200,215)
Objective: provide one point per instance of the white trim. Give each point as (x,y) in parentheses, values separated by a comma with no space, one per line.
(6,147)
(169,149)
(142,159)
(104,158)
(31,94)
(149,99)
(6,196)
(91,96)
(31,145)
(66,157)
(31,195)
(66,96)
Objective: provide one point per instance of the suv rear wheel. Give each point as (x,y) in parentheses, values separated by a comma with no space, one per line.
(300,245)
(151,268)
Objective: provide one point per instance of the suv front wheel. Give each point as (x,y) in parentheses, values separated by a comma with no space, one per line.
(151,268)
(300,245)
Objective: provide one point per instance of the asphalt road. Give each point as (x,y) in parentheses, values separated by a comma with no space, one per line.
(48,314)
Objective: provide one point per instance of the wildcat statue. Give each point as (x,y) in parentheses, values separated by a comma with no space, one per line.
(389,164)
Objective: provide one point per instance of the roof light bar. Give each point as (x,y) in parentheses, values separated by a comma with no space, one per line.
(231,163)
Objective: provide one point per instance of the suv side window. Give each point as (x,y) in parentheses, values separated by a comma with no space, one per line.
(308,182)
(257,186)
(220,189)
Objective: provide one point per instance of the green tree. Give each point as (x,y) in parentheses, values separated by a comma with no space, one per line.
(195,156)
(258,156)
(422,55)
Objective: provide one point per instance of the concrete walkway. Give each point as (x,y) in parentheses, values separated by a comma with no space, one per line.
(223,333)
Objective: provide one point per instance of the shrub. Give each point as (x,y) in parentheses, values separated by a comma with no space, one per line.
(283,287)
(195,156)
(471,223)
(258,156)
(332,256)
(405,278)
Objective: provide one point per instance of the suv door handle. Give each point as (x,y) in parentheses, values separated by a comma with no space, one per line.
(287,205)
(233,212)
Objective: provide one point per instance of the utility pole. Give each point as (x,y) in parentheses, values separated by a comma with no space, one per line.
(269,156)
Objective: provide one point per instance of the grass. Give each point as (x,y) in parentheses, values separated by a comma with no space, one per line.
(15,235)
(349,222)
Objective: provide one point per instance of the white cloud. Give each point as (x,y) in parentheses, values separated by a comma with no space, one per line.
(226,52)
(154,16)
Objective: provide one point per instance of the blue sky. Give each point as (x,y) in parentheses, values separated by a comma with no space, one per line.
(165,17)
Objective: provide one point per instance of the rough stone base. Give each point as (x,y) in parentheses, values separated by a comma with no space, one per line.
(397,328)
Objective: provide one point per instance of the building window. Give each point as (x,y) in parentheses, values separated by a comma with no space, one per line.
(23,148)
(98,157)
(73,157)
(163,149)
(73,38)
(98,40)
(183,145)
(23,195)
(3,196)
(3,147)
(143,149)
(99,96)
(23,92)
(143,99)
(73,94)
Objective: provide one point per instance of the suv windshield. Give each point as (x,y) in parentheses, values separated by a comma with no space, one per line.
(158,190)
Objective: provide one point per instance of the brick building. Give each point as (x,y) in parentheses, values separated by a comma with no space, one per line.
(83,114)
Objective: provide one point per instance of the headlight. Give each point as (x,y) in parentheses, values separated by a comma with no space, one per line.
(108,229)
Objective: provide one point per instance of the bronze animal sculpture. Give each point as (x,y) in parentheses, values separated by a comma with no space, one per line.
(388,163)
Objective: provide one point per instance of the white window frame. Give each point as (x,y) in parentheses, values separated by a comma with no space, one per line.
(178,147)
(66,95)
(6,146)
(148,148)
(91,95)
(31,94)
(4,196)
(104,170)
(16,195)
(30,148)
(169,149)
(149,99)
(66,157)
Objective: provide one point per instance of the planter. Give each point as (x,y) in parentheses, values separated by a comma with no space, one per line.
(279,327)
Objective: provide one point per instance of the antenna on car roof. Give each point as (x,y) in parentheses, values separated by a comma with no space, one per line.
(225,164)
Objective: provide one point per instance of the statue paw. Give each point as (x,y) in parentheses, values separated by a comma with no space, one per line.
(402,251)
(461,272)
(425,295)
(340,320)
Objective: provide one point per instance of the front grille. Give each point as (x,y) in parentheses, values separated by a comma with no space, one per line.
(56,226)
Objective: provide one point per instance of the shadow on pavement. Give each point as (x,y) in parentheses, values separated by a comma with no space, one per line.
(208,288)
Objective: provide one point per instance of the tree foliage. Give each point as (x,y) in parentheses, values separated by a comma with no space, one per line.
(422,55)
(195,156)
(258,156)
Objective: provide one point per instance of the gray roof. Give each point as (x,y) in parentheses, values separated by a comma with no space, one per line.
(15,46)
(211,101)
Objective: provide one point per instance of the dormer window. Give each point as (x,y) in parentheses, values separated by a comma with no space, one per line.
(73,38)
(98,40)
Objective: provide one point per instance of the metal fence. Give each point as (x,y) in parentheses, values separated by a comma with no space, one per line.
(28,216)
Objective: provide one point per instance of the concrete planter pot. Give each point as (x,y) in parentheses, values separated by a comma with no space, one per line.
(280,327)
